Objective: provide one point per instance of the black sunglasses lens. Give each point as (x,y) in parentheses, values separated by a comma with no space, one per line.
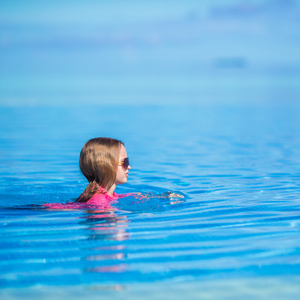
(126,163)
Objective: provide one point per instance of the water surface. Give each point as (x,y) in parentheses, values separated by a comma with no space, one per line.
(236,233)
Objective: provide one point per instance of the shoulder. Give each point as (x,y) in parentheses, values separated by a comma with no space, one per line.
(98,197)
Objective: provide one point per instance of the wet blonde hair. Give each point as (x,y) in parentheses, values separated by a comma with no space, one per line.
(98,163)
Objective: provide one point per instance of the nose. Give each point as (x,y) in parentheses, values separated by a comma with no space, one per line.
(129,167)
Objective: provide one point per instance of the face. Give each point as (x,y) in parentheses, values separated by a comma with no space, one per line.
(121,173)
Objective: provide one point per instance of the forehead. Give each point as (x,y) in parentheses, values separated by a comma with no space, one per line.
(123,152)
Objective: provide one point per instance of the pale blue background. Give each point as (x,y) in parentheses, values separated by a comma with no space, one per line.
(63,52)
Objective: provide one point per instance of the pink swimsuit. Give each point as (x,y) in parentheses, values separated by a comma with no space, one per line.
(101,200)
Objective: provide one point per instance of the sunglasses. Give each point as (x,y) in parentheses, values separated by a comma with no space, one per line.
(124,163)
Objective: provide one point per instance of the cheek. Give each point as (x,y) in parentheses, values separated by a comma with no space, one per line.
(120,174)
(121,178)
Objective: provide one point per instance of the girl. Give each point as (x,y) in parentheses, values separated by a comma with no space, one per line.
(104,163)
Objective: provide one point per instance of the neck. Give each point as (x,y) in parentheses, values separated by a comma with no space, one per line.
(111,190)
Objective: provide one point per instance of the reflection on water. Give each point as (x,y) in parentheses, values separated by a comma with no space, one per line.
(106,226)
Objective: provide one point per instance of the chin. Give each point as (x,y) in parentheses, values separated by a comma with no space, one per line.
(122,182)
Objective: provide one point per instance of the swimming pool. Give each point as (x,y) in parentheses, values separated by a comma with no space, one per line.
(236,233)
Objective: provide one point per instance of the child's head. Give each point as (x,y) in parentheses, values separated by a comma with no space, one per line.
(98,161)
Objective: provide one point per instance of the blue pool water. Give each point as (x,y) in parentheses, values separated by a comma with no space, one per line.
(236,232)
